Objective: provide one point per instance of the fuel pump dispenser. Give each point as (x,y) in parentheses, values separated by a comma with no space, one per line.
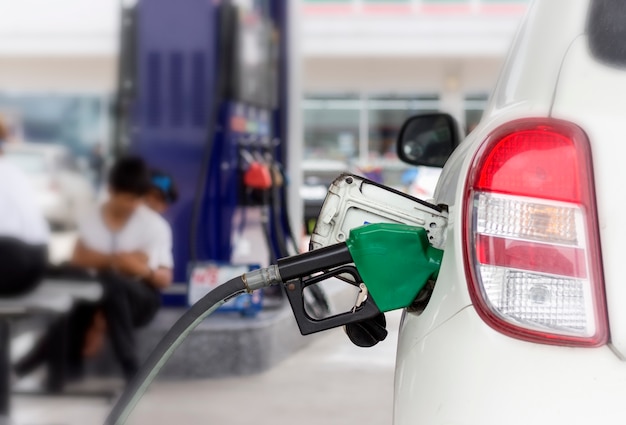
(202,94)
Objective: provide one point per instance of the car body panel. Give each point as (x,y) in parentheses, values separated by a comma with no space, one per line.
(599,106)
(532,67)
(486,378)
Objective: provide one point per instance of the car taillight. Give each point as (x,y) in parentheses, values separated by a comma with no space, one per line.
(532,247)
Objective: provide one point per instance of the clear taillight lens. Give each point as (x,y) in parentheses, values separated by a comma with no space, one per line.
(532,250)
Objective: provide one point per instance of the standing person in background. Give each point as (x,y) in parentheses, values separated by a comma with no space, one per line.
(23,230)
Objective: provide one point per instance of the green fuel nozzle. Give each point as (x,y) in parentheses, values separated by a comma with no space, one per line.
(393,261)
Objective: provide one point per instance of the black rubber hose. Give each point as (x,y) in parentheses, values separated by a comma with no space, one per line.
(166,347)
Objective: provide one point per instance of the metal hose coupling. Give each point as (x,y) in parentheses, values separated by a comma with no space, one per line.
(261,278)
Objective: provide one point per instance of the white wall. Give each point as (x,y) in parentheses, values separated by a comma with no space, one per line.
(58,27)
(58,45)
(413,35)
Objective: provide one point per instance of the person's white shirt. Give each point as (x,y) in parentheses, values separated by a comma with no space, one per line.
(164,236)
(20,215)
(145,231)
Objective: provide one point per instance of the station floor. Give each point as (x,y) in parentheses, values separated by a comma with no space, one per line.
(329,382)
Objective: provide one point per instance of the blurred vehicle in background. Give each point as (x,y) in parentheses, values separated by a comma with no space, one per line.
(63,190)
(318,175)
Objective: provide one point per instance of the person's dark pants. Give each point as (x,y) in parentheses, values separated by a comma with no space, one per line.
(21,266)
(66,334)
(128,304)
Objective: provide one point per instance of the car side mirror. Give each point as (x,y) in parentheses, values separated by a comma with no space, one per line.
(428,139)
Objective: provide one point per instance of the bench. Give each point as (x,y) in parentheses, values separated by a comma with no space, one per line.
(53,297)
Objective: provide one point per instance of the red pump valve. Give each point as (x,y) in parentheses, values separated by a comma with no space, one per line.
(258,176)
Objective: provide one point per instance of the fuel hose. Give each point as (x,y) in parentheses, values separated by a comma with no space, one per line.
(287,268)
(177,334)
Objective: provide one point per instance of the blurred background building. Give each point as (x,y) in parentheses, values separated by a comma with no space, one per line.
(367,65)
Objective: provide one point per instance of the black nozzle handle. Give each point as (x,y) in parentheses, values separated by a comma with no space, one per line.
(308,324)
(308,263)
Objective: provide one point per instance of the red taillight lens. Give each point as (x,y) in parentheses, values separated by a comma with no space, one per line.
(532,250)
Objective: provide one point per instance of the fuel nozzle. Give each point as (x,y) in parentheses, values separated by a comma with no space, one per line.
(395,261)
(389,263)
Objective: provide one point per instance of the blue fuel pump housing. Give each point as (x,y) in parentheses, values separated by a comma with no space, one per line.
(207,81)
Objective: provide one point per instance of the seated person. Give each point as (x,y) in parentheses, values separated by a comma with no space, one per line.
(129,247)
(162,194)
(23,230)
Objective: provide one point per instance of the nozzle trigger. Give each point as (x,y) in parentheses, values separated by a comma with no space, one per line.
(361,297)
(365,307)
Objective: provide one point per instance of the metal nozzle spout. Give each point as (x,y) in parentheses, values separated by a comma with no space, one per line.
(261,278)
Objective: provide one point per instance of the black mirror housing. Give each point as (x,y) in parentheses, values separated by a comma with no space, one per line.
(428,139)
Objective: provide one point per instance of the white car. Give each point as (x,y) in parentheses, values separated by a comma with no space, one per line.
(63,192)
(526,323)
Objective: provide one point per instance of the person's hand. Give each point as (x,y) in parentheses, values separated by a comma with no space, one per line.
(137,256)
(131,263)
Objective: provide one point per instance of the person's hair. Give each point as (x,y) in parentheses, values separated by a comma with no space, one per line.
(165,185)
(130,175)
